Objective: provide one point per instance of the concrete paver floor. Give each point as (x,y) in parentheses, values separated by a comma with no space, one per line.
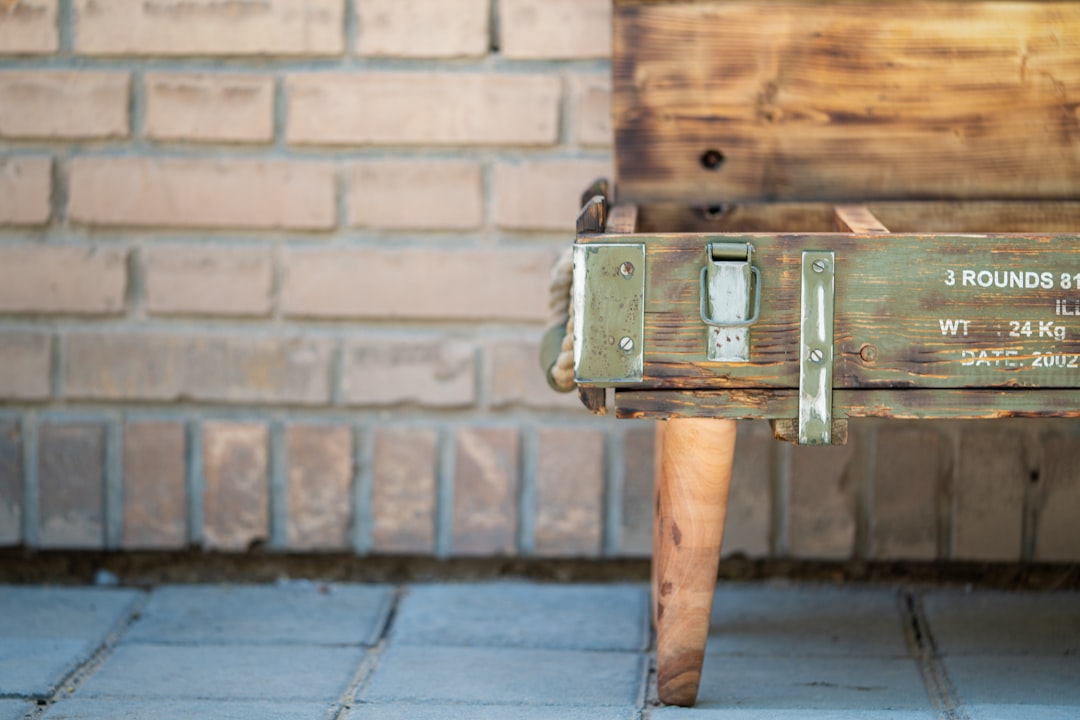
(514,649)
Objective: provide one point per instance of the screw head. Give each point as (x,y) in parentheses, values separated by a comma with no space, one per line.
(626,344)
(626,269)
(819,266)
(816,355)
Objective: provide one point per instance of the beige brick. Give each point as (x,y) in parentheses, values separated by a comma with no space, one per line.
(821,519)
(320,482)
(71,486)
(749,514)
(59,104)
(423,28)
(432,372)
(236,495)
(209,27)
(221,368)
(516,379)
(25,186)
(385,283)
(543,195)
(25,362)
(569,492)
(11,484)
(58,279)
(206,193)
(1057,532)
(485,491)
(639,458)
(416,195)
(203,107)
(555,28)
(422,108)
(124,366)
(155,492)
(404,491)
(28,27)
(201,280)
(906,496)
(592,110)
(989,495)
(264,369)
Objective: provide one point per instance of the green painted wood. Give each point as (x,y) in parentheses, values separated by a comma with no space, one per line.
(1010,318)
(932,404)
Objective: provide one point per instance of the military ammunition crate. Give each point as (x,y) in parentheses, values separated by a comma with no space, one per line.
(823,211)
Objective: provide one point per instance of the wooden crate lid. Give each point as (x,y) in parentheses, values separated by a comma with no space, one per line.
(750,101)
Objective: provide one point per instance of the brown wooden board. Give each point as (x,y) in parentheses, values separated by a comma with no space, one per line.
(911,311)
(732,101)
(897,404)
(1047,216)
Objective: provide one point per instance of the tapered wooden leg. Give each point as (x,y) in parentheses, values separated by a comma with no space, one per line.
(695,475)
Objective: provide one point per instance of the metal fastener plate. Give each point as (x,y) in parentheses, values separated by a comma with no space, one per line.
(609,313)
(816,348)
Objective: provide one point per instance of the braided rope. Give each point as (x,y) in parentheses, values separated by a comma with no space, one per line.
(561,312)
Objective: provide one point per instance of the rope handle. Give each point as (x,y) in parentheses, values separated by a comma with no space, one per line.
(557,347)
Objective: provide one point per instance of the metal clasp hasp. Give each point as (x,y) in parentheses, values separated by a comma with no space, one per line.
(725,298)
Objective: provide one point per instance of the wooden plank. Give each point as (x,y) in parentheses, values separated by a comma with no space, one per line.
(910,311)
(896,404)
(599,187)
(857,219)
(980,217)
(719,102)
(593,398)
(787,430)
(1040,216)
(731,404)
(593,215)
(622,218)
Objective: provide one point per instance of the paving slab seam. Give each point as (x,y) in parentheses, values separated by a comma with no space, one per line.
(646,673)
(359,681)
(366,670)
(652,695)
(923,649)
(69,684)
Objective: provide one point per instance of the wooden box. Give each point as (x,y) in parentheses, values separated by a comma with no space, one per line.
(932,148)
(823,211)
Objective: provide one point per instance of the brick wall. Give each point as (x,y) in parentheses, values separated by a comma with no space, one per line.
(273,274)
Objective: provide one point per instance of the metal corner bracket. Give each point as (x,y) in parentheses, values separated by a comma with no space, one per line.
(609,313)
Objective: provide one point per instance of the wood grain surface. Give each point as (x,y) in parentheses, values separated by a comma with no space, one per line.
(695,476)
(1040,216)
(729,101)
(896,404)
(898,322)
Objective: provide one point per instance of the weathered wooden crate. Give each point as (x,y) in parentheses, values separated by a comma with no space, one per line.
(823,211)
(946,324)
(956,125)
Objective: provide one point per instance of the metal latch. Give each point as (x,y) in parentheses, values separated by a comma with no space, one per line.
(725,300)
(609,313)
(816,348)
